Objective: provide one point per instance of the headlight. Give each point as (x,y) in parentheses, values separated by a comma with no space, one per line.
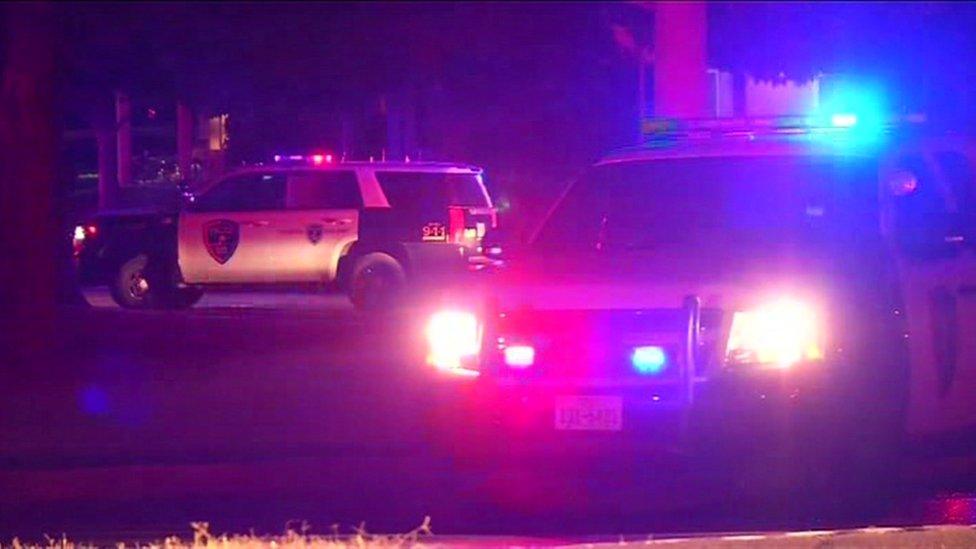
(453,341)
(781,333)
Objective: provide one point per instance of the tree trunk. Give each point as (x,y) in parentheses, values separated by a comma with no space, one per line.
(29,141)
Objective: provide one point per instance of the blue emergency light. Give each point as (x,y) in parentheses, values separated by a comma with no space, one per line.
(649,359)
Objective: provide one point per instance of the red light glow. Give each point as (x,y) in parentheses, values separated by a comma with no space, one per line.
(519,356)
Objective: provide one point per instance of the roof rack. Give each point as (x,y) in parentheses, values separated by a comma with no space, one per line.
(670,128)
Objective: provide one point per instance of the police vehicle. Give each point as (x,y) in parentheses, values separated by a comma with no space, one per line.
(370,227)
(732,286)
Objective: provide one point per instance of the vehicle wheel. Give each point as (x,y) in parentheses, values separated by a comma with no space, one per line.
(134,287)
(184,298)
(376,282)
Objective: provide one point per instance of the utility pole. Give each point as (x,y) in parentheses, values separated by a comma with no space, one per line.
(644,58)
(184,140)
(680,59)
(107,172)
(123,128)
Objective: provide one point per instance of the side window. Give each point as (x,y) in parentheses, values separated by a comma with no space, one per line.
(323,190)
(245,193)
(431,192)
(957,171)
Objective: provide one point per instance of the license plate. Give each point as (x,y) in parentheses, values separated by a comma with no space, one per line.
(589,413)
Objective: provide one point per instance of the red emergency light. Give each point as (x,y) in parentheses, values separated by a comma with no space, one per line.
(316,159)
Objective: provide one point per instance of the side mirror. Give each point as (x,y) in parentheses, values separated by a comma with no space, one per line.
(922,226)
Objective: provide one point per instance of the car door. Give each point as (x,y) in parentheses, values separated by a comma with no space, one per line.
(228,234)
(323,220)
(937,266)
(955,379)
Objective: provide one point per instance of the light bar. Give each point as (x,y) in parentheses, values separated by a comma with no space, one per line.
(669,127)
(316,159)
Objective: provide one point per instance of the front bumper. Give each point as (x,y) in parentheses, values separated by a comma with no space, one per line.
(731,411)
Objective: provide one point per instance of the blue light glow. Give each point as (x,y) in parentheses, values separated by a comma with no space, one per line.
(843,120)
(858,107)
(649,360)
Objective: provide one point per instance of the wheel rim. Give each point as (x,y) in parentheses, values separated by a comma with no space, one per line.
(138,285)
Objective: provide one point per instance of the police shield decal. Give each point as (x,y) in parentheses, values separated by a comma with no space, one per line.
(221,237)
(314,233)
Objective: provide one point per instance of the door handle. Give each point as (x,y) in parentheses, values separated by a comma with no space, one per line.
(945,336)
(334,221)
(259,223)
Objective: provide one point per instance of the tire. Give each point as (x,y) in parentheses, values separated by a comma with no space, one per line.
(134,286)
(376,282)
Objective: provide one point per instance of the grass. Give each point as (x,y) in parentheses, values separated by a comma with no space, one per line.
(947,537)
(292,539)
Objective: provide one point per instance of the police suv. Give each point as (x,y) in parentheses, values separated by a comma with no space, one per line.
(731,287)
(369,227)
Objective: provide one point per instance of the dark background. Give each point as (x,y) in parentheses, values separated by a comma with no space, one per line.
(531,91)
(119,407)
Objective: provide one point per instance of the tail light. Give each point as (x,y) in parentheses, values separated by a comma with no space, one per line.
(462,229)
(456,224)
(81,235)
(454,341)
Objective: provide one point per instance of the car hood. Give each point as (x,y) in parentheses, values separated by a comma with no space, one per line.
(656,279)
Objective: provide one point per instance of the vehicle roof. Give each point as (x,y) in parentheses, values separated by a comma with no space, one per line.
(421,167)
(786,143)
(748,144)
(413,166)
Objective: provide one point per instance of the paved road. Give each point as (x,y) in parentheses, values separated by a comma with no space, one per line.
(257,408)
(284,300)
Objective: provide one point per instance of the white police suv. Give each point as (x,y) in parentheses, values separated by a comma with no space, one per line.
(370,227)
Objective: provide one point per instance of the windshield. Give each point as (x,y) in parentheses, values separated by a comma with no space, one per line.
(716,202)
